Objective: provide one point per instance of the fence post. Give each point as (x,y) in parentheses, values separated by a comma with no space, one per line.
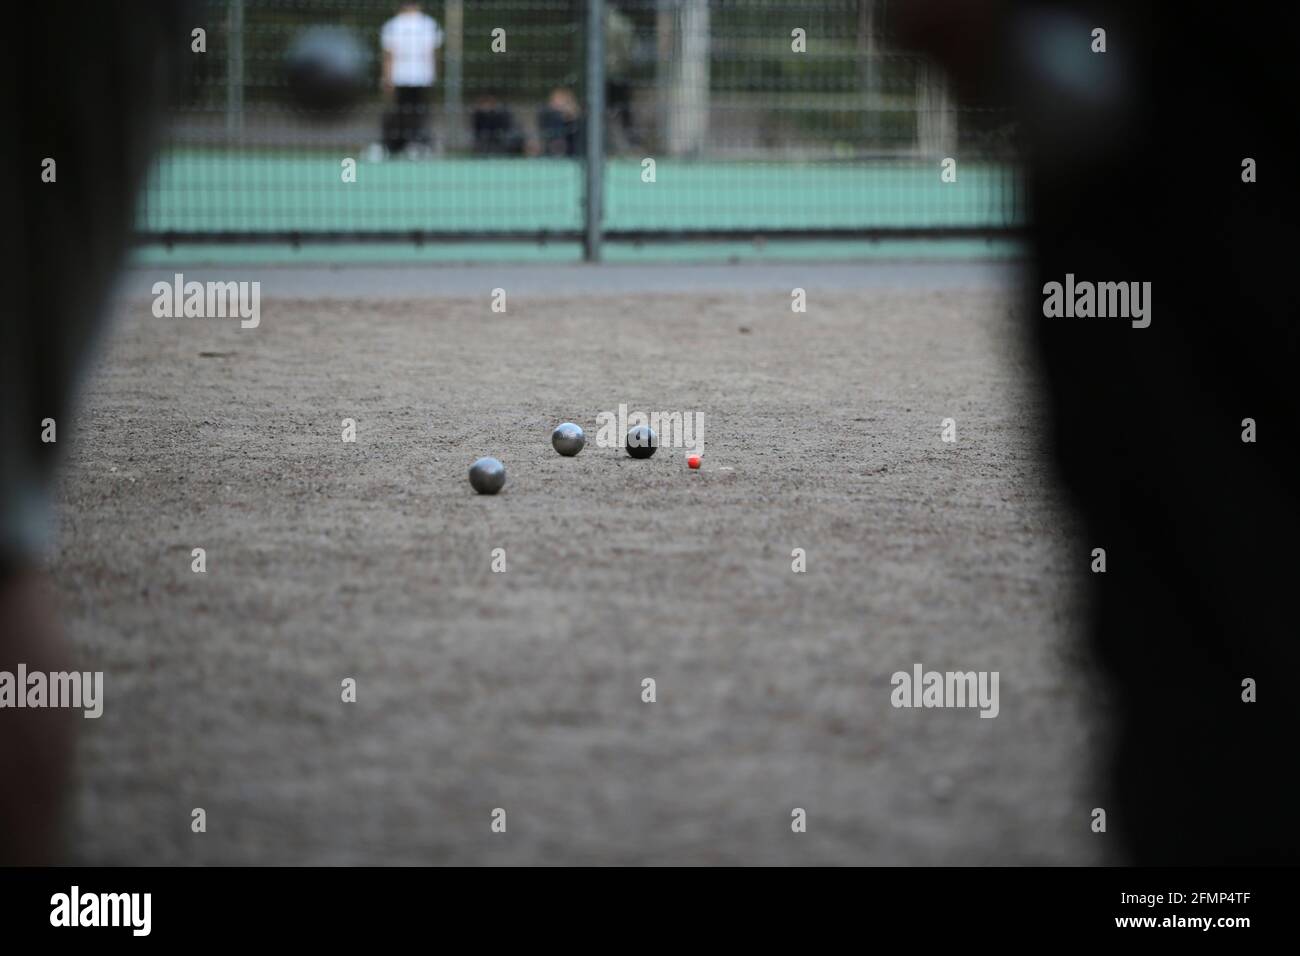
(595,127)
(235,69)
(453,70)
(869,76)
(688,101)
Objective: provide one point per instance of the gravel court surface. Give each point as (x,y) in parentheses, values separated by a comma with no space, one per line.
(521,690)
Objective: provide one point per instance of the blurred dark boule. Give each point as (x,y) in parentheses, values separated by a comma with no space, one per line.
(327,69)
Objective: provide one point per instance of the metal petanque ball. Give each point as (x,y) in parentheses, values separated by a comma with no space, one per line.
(327,70)
(487,475)
(568,439)
(642,442)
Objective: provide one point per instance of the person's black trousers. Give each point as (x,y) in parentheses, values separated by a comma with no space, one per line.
(408,121)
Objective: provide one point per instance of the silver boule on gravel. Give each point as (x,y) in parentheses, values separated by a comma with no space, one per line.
(642,442)
(487,475)
(568,439)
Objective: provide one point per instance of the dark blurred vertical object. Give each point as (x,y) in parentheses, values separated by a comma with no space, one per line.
(1136,175)
(83,84)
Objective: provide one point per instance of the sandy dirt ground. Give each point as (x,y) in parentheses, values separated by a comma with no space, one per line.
(522,690)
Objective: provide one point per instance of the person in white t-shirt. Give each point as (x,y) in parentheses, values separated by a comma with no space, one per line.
(410,67)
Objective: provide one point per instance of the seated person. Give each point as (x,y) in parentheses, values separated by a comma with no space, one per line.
(496,133)
(559,124)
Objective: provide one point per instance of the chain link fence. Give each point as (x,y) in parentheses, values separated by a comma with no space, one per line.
(600,120)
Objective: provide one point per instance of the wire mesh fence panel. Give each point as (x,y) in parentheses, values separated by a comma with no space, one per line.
(463,118)
(444,139)
(769,115)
